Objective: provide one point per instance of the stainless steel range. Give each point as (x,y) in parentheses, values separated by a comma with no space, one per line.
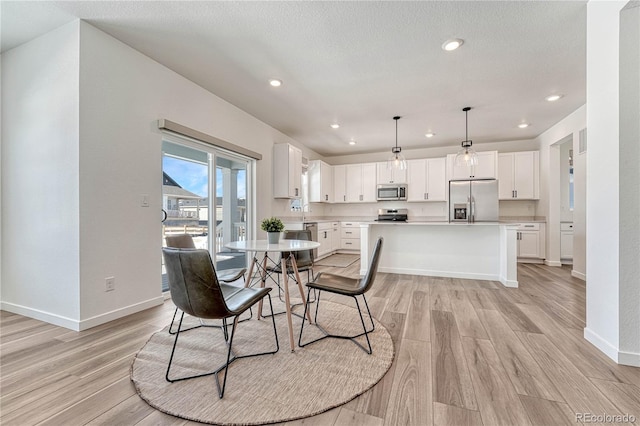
(392,215)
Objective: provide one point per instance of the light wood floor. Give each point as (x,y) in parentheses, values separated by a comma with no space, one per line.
(467,352)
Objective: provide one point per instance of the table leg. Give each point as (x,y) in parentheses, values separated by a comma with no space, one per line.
(287,301)
(294,266)
(247,282)
(263,278)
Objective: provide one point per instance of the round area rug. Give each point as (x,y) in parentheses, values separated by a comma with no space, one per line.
(269,388)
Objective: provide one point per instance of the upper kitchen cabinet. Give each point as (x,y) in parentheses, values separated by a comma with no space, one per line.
(320,182)
(486,168)
(386,175)
(519,176)
(427,179)
(360,182)
(340,184)
(287,171)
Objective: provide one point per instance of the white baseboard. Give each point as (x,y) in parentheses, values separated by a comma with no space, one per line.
(620,357)
(530,260)
(445,274)
(553,263)
(578,275)
(74,324)
(48,317)
(119,313)
(509,283)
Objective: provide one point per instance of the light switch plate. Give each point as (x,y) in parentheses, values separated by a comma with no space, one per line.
(144,200)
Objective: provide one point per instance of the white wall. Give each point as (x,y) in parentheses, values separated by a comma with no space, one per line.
(550,193)
(629,89)
(612,323)
(89,175)
(40,200)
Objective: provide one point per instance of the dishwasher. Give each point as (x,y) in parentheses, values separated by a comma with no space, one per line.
(313,228)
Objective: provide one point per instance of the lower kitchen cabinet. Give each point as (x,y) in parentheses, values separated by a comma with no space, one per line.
(531,242)
(566,241)
(336,237)
(350,236)
(325,238)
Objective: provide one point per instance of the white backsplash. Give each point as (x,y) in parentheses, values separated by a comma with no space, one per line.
(517,208)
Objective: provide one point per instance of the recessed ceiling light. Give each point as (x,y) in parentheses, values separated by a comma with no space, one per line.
(275,82)
(523,125)
(452,44)
(352,142)
(335,126)
(430,135)
(553,98)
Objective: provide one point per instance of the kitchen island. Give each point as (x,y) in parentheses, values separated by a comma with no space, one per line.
(482,251)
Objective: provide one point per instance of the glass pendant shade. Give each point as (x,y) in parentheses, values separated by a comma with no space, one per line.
(466,156)
(397,160)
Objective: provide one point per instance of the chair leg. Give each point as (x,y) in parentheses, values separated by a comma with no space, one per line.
(230,355)
(365,332)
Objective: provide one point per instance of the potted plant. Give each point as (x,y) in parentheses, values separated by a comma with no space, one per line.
(273,226)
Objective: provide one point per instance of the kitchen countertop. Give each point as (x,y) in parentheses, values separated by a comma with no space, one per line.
(412,219)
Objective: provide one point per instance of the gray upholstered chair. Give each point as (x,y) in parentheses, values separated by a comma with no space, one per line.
(345,286)
(195,289)
(304,258)
(185,241)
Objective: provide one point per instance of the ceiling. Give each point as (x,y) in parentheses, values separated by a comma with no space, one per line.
(355,63)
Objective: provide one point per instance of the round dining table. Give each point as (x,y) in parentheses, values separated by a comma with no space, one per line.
(287,249)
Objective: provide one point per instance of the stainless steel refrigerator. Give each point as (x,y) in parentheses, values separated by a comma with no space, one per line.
(474,200)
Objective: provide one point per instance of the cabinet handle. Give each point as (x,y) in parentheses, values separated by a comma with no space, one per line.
(325,234)
(326,197)
(348,244)
(344,198)
(296,192)
(360,197)
(347,232)
(424,196)
(516,191)
(427,195)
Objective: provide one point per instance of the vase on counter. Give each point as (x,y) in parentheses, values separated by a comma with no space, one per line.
(273,237)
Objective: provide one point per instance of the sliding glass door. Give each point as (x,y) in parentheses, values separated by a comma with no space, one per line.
(206,193)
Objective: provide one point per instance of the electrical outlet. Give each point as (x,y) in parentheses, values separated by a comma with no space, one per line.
(109,284)
(144,200)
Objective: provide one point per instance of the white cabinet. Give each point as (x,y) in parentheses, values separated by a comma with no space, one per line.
(336,238)
(531,241)
(360,182)
(427,179)
(350,236)
(566,241)
(518,175)
(386,175)
(320,182)
(486,168)
(340,184)
(325,238)
(287,171)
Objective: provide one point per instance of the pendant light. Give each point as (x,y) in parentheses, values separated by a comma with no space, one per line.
(397,160)
(466,156)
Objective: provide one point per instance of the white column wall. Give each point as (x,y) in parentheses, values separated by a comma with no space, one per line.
(612,324)
(630,184)
(40,202)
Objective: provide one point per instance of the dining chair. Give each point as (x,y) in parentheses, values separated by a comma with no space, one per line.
(185,241)
(304,258)
(345,286)
(196,290)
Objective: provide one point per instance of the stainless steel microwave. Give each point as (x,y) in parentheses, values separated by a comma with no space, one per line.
(393,191)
